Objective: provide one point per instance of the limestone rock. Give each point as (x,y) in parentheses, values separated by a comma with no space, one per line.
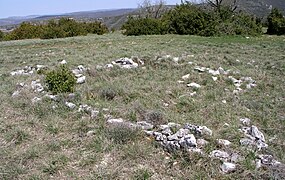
(185,77)
(188,141)
(144,125)
(219,154)
(194,85)
(227,167)
(223,142)
(70,105)
(81,80)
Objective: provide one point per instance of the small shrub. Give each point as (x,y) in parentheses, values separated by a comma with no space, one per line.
(154,117)
(60,80)
(122,134)
(142,174)
(108,93)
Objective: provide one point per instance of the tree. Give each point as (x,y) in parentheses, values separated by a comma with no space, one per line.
(219,4)
(1,35)
(276,22)
(151,9)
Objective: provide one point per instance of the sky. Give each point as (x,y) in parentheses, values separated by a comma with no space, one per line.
(10,8)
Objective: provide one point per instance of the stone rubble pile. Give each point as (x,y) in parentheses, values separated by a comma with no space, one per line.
(78,73)
(27,70)
(124,63)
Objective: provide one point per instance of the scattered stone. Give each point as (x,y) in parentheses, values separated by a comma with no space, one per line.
(149,133)
(223,142)
(94,114)
(36,86)
(213,72)
(268,160)
(224,101)
(194,85)
(144,125)
(176,59)
(52,97)
(202,142)
(185,77)
(115,121)
(256,133)
(36,99)
(90,133)
(227,167)
(109,66)
(16,93)
(81,80)
(167,132)
(219,154)
(214,78)
(236,158)
(63,62)
(188,141)
(125,63)
(200,69)
(180,82)
(245,121)
(70,105)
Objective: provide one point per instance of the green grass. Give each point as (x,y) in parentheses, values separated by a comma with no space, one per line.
(42,143)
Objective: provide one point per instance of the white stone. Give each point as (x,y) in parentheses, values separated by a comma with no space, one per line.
(224,101)
(70,105)
(144,125)
(81,80)
(94,114)
(16,93)
(245,121)
(214,78)
(194,85)
(185,77)
(202,142)
(176,59)
(223,142)
(90,133)
(219,154)
(200,69)
(36,99)
(180,82)
(256,133)
(109,66)
(206,131)
(188,140)
(213,72)
(63,62)
(227,167)
(115,121)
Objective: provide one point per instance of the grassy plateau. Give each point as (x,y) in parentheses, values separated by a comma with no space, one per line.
(47,140)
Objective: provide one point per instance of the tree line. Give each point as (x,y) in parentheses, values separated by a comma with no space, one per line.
(64,27)
(218,18)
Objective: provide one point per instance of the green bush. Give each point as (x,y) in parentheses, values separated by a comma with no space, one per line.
(1,35)
(96,28)
(52,30)
(60,80)
(187,19)
(108,93)
(25,31)
(240,24)
(143,26)
(276,22)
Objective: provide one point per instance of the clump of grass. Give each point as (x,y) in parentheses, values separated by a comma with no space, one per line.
(108,93)
(122,134)
(142,174)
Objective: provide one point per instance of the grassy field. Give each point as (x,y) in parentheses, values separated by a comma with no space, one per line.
(39,142)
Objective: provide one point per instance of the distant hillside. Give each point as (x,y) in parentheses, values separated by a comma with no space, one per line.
(85,15)
(260,8)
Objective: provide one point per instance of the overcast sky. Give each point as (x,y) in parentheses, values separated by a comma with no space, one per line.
(10,8)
